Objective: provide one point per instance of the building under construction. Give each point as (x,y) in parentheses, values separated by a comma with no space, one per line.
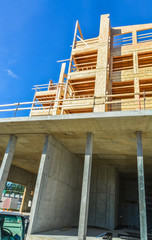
(85,148)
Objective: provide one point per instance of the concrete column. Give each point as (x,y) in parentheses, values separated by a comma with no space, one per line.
(141,188)
(83,219)
(39,183)
(6,163)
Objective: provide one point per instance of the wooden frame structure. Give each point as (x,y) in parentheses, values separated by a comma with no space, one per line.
(111,72)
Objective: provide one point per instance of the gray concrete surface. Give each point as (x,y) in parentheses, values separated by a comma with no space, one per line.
(102,207)
(6,163)
(58,186)
(71,234)
(85,194)
(114,152)
(58,190)
(117,129)
(141,188)
(128,212)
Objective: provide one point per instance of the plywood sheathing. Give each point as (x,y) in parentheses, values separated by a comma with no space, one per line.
(141,66)
(102,63)
(100,72)
(60,92)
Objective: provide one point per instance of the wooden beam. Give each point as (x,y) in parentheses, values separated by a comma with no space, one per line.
(80,31)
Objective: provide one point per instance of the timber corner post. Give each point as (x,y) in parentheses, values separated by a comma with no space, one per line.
(102,68)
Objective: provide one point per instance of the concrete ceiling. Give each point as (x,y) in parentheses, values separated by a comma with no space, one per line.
(114,137)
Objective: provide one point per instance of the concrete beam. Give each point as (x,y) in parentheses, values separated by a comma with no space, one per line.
(83,219)
(141,188)
(6,163)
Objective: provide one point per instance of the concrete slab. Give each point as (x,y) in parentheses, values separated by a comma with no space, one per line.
(114,136)
(71,234)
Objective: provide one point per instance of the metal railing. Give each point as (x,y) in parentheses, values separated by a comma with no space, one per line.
(86,42)
(138,101)
(46,87)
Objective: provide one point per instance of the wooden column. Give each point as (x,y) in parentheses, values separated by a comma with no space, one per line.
(59,90)
(136,80)
(102,69)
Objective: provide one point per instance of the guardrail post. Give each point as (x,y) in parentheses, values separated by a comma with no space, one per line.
(50,107)
(16,109)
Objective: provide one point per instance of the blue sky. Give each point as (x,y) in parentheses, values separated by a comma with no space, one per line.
(34,34)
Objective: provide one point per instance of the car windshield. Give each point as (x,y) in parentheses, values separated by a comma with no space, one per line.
(11,227)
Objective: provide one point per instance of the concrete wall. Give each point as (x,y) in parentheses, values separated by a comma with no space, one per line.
(102,196)
(129,207)
(59,195)
(129,203)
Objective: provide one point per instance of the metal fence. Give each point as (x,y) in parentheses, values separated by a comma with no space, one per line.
(131,101)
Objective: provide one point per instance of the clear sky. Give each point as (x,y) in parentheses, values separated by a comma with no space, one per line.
(34,34)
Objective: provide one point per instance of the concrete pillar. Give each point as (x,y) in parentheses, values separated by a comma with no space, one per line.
(39,183)
(6,163)
(83,219)
(141,188)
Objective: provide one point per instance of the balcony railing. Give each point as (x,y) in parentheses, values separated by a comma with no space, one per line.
(45,87)
(138,101)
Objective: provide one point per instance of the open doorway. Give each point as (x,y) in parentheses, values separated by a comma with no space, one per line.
(12,197)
